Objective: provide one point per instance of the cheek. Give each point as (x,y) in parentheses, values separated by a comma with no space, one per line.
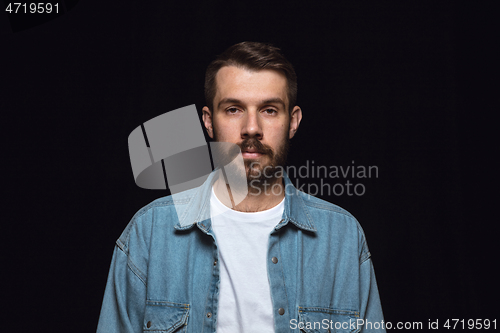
(284,130)
(224,132)
(279,135)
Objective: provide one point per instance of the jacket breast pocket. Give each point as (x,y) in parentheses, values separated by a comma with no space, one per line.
(165,317)
(326,320)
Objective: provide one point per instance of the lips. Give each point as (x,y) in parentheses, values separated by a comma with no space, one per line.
(252,151)
(253,148)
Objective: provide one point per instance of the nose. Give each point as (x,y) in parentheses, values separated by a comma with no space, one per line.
(251,126)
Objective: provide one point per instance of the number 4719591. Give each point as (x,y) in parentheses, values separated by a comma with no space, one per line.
(32,7)
(470,324)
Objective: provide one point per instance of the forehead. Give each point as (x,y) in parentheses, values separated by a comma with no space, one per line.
(250,85)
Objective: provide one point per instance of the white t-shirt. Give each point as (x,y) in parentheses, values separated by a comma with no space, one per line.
(245,304)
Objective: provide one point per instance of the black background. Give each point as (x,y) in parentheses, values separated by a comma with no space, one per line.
(388,84)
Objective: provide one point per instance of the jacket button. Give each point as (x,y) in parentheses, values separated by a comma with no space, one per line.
(274,260)
(215,263)
(148,324)
(281,311)
(209,314)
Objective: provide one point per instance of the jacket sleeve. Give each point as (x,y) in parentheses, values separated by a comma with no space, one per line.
(371,309)
(124,298)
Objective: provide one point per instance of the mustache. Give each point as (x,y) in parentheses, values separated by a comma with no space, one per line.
(257,145)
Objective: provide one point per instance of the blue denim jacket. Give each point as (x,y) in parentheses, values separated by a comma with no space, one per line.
(164,275)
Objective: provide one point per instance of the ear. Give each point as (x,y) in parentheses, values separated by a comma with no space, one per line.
(207,121)
(295,118)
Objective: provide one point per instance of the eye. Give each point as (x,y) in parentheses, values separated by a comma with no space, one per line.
(232,110)
(270,111)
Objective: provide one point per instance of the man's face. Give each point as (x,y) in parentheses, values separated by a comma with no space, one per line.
(251,110)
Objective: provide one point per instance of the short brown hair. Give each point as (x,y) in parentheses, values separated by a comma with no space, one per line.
(252,56)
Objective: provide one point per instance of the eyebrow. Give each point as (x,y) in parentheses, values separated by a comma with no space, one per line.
(275,100)
(228,101)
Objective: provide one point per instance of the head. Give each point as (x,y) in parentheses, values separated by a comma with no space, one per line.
(253,57)
(250,91)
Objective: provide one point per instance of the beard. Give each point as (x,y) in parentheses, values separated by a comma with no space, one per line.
(269,167)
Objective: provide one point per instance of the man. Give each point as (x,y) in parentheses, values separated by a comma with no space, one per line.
(277,261)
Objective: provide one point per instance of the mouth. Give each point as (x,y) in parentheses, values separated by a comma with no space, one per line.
(251,153)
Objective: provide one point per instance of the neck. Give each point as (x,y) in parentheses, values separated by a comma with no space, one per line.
(257,199)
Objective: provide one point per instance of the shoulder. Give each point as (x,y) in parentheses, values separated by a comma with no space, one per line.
(160,213)
(332,220)
(328,211)
(323,205)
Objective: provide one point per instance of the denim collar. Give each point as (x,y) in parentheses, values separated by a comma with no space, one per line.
(197,207)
